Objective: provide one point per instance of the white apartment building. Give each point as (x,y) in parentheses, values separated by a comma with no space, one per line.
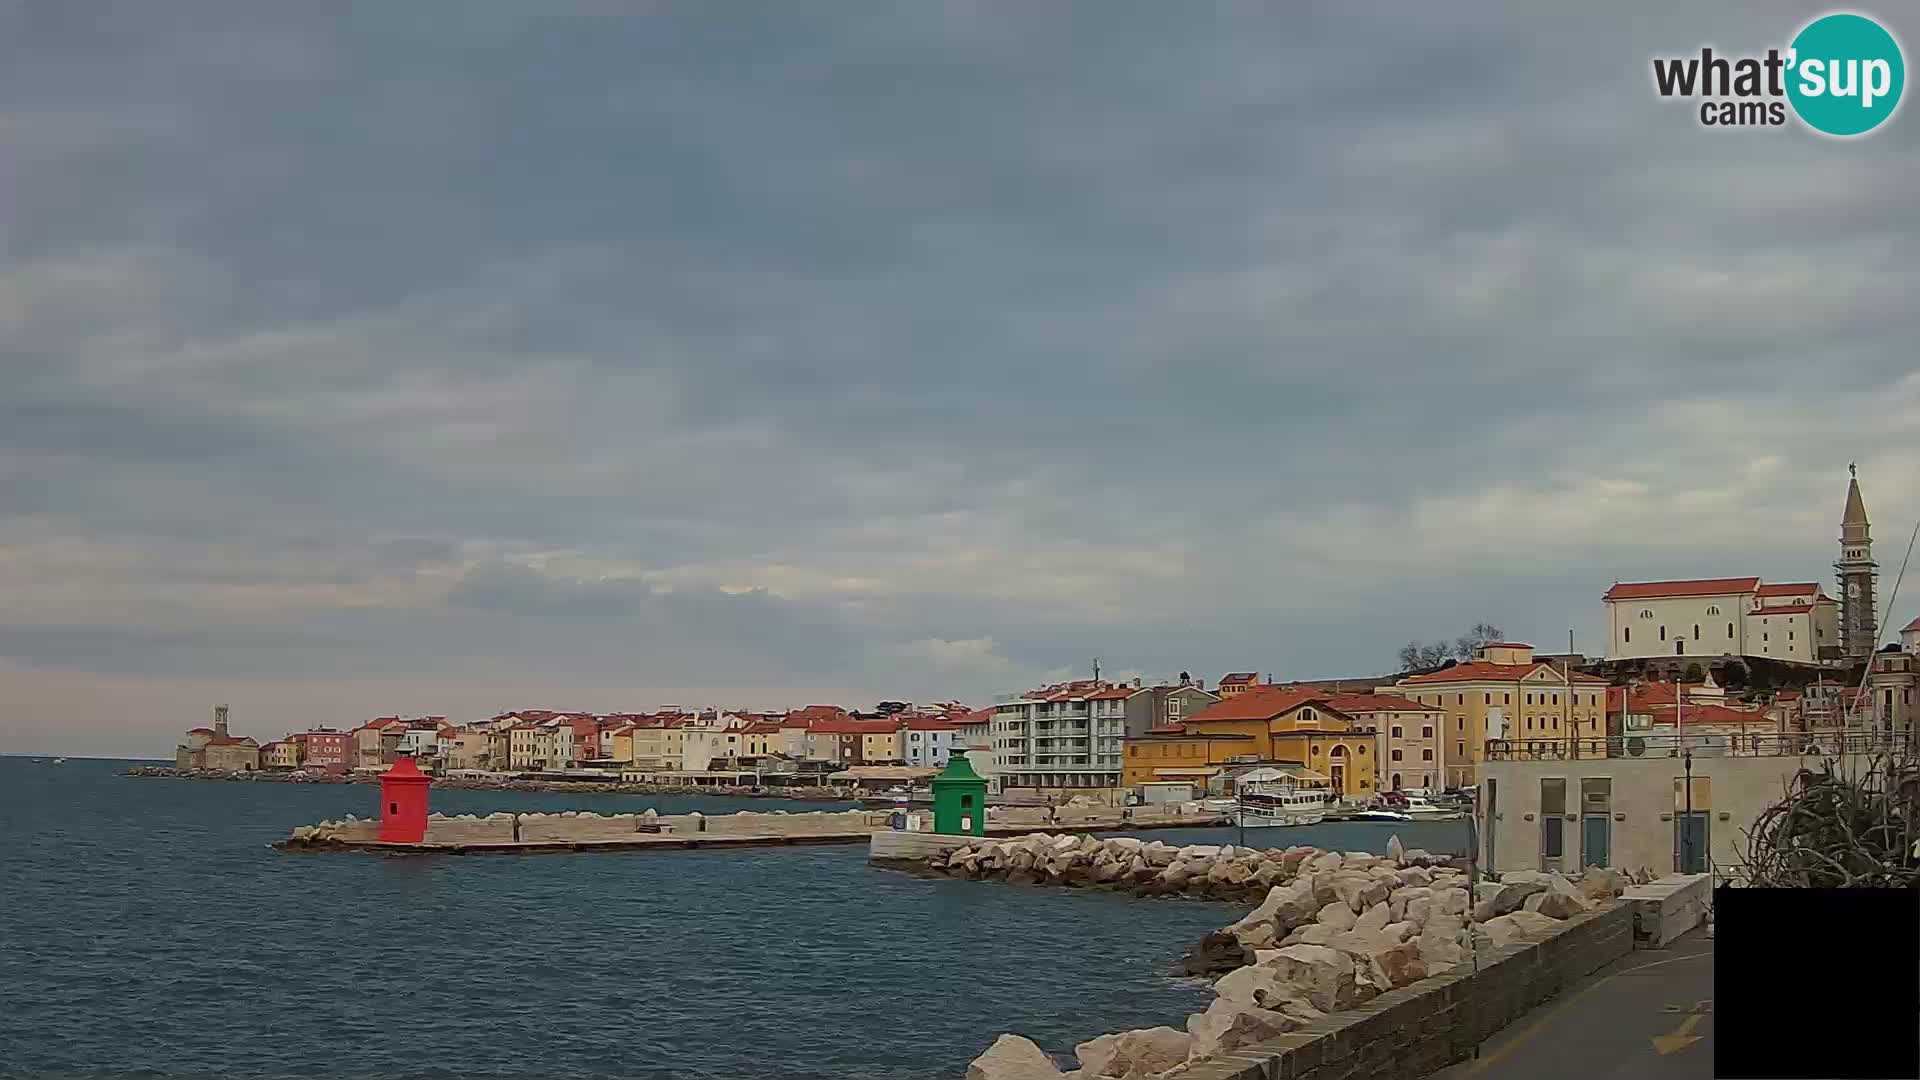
(1722,616)
(1065,736)
(929,741)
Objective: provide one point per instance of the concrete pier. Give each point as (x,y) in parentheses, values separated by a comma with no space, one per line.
(502,833)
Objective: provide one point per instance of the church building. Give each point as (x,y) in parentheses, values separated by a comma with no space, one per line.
(1745,616)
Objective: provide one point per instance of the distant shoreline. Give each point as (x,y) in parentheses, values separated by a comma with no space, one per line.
(594,787)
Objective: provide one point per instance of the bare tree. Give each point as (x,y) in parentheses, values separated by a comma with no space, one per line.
(1415,655)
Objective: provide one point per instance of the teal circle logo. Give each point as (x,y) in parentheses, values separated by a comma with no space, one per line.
(1845,74)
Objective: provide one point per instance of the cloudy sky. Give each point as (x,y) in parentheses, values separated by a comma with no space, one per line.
(442,357)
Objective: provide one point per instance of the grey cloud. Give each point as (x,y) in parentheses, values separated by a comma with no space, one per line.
(818,294)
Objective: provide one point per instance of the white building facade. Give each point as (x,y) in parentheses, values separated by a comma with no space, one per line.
(1060,737)
(1721,617)
(930,743)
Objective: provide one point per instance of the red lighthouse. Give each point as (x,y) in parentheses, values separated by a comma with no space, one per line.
(403,803)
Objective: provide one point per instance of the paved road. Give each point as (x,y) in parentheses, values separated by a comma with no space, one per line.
(1647,1016)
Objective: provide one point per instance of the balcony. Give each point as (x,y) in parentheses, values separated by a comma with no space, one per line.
(1814,744)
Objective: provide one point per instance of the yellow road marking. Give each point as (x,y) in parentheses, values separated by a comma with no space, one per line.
(1681,1038)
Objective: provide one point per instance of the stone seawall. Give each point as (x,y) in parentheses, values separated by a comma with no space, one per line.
(582,827)
(1426,1026)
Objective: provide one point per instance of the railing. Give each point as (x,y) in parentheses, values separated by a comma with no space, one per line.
(1770,744)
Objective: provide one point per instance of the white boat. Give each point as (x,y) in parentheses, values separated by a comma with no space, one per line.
(1419,809)
(1377,813)
(1266,805)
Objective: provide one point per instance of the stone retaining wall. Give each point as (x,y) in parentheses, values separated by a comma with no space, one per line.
(1433,1023)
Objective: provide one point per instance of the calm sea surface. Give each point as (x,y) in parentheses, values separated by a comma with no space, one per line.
(146,930)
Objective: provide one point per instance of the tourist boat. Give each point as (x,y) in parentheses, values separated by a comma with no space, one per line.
(1270,805)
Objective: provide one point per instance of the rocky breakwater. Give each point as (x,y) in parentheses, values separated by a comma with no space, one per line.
(1332,931)
(1142,867)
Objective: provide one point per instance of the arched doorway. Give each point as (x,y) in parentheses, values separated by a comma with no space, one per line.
(1396,781)
(1337,768)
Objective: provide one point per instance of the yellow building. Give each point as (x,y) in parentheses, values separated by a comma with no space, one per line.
(657,744)
(880,746)
(621,744)
(521,745)
(1504,693)
(1265,724)
(280,754)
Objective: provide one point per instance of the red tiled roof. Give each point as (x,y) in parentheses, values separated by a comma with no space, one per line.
(1117,693)
(985,716)
(209,731)
(244,740)
(1910,627)
(1650,590)
(1239,677)
(1355,703)
(931,723)
(1259,703)
(1487,671)
(1785,609)
(761,728)
(1506,645)
(1796,588)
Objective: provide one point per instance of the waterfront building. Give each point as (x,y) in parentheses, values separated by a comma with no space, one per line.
(1059,737)
(1910,637)
(217,748)
(1286,726)
(520,746)
(1504,693)
(1409,750)
(376,741)
(324,749)
(929,741)
(880,742)
(976,732)
(1631,806)
(280,754)
(761,738)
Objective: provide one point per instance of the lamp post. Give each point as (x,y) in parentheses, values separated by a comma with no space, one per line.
(1686,826)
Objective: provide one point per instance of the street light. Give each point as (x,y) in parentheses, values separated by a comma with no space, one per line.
(1686,823)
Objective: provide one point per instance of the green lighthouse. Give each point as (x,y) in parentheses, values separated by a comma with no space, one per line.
(960,799)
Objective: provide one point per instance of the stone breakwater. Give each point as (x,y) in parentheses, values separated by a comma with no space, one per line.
(1331,931)
(502,783)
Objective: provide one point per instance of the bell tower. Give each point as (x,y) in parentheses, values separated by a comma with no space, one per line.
(1859,630)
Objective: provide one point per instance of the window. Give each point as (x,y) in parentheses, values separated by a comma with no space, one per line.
(1663,633)
(1395,755)
(1396,731)
(1713,609)
(1763,636)
(1729,631)
(1426,732)
(1789,635)
(1696,631)
(1460,750)
(1306,716)
(1426,755)
(1489,700)
(1627,633)
(1506,699)
(1460,723)
(1529,723)
(1462,700)
(1646,613)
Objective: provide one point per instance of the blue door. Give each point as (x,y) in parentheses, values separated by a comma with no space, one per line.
(1553,844)
(1596,836)
(1690,843)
